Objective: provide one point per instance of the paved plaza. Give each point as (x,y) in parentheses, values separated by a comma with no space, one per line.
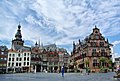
(57,77)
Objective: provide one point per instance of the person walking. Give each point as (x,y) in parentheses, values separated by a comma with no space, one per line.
(62,71)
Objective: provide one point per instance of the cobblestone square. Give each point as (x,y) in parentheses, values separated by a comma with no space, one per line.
(58,77)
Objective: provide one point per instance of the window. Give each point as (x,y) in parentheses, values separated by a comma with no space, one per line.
(102,50)
(1,58)
(94,53)
(93,50)
(16,64)
(18,55)
(96,37)
(12,64)
(8,64)
(94,62)
(20,59)
(36,50)
(103,53)
(28,59)
(13,55)
(27,63)
(17,59)
(93,44)
(28,54)
(9,54)
(12,59)
(101,43)
(19,64)
(50,63)
(96,31)
(24,54)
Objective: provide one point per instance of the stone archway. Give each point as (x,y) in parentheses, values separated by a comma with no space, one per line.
(55,68)
(38,68)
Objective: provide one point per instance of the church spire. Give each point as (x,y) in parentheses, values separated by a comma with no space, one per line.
(18,35)
(18,39)
(73,45)
(36,44)
(79,42)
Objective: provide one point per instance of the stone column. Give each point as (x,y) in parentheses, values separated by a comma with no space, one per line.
(47,68)
(6,70)
(41,68)
(53,69)
(14,70)
(29,69)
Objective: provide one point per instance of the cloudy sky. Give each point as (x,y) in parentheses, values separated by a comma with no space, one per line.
(59,21)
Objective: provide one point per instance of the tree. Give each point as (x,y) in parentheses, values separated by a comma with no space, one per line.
(102,60)
(110,63)
(87,66)
(86,63)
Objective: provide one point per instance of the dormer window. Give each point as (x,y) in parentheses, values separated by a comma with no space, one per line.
(96,37)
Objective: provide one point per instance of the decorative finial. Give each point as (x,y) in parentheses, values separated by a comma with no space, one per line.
(19,26)
(79,42)
(107,39)
(95,26)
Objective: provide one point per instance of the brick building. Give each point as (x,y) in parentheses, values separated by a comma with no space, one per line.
(93,52)
(3,59)
(48,58)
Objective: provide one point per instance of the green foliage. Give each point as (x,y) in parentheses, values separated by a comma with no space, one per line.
(110,67)
(87,62)
(102,59)
(110,61)
(104,70)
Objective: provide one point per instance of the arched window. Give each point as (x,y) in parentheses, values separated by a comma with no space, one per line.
(94,52)
(95,62)
(103,53)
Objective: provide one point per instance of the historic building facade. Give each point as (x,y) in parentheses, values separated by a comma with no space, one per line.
(3,59)
(48,58)
(19,56)
(38,58)
(93,52)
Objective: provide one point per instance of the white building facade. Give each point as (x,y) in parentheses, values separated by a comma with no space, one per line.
(18,61)
(19,56)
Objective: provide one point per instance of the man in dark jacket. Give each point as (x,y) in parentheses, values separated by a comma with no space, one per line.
(62,71)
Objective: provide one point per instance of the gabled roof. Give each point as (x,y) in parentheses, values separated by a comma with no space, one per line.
(11,50)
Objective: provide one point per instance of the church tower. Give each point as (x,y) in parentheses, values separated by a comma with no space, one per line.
(18,38)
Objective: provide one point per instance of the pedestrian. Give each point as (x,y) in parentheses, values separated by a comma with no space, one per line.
(62,71)
(88,70)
